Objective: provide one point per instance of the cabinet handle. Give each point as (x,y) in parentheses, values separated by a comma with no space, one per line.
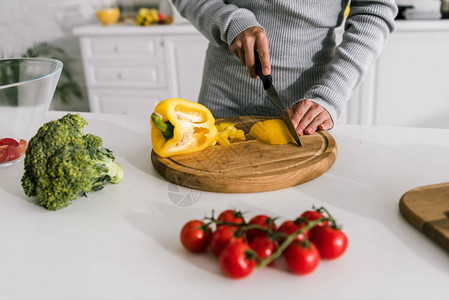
(119,75)
(115,48)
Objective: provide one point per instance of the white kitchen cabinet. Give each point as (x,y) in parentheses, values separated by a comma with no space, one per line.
(129,69)
(125,101)
(408,85)
(188,53)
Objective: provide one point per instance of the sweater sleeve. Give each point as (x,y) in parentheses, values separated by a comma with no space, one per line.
(219,22)
(367,28)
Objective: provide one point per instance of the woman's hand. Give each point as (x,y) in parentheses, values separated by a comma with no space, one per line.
(243,47)
(308,117)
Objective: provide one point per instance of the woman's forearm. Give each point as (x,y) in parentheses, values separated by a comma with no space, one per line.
(366,32)
(219,22)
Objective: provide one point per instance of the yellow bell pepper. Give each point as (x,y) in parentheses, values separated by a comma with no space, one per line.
(179,126)
(225,125)
(238,135)
(227,133)
(272,131)
(222,138)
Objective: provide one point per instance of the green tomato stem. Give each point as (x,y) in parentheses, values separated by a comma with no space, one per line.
(333,222)
(245,226)
(288,241)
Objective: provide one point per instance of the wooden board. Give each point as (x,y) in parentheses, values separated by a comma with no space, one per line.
(250,166)
(427,208)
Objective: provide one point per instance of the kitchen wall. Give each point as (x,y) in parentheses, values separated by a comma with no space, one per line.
(25,22)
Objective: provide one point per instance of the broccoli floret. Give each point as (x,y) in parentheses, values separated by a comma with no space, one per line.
(62,163)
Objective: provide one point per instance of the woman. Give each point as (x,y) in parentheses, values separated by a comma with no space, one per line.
(296,44)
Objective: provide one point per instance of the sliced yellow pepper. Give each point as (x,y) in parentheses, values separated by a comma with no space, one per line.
(238,135)
(179,126)
(222,138)
(225,125)
(272,131)
(227,133)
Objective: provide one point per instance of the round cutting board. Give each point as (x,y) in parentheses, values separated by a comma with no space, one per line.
(250,166)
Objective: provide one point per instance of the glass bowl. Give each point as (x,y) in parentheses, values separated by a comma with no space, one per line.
(27,86)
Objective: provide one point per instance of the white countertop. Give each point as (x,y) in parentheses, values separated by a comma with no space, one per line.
(122,29)
(122,242)
(187,28)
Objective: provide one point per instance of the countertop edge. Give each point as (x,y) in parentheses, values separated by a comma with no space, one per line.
(187,28)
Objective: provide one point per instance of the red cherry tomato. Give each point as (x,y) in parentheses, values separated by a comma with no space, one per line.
(262,221)
(312,215)
(195,236)
(263,246)
(3,153)
(223,237)
(22,146)
(301,259)
(237,260)
(290,227)
(13,153)
(9,142)
(231,216)
(330,242)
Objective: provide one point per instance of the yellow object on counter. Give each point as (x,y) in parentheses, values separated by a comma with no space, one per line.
(273,131)
(179,126)
(108,16)
(147,16)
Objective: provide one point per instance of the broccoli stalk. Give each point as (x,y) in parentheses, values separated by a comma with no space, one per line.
(62,163)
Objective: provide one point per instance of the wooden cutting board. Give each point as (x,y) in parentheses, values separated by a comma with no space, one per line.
(427,208)
(250,166)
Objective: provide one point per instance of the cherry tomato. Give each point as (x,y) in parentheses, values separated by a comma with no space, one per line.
(221,238)
(13,153)
(237,260)
(290,227)
(195,236)
(3,153)
(301,259)
(312,215)
(330,242)
(263,246)
(263,221)
(231,216)
(9,142)
(22,146)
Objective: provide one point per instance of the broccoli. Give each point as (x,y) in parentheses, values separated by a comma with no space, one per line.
(62,163)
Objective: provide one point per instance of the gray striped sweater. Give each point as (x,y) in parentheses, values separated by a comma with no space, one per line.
(305,61)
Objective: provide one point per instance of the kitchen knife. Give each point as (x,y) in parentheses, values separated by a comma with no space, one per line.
(274,97)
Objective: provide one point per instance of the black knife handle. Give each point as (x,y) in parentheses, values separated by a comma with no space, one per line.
(266,79)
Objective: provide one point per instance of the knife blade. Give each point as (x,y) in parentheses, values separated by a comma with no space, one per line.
(274,97)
